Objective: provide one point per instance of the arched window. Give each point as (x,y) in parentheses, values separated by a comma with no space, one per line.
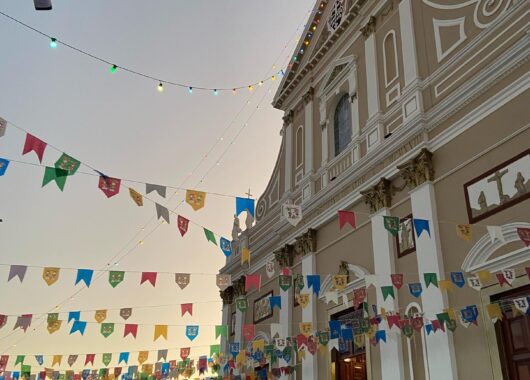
(299,146)
(390,57)
(342,124)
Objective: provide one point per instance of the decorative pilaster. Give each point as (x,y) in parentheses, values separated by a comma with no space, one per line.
(372,84)
(379,196)
(309,314)
(408,43)
(303,245)
(288,130)
(324,132)
(308,131)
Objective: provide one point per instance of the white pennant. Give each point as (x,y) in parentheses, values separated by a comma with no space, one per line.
(370,280)
(474,282)
(509,275)
(495,233)
(270,268)
(521,304)
(292,213)
(332,296)
(276,329)
(333,344)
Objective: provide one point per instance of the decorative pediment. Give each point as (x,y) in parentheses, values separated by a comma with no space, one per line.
(356,275)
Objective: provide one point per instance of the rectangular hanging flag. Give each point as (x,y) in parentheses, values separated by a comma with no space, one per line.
(244,204)
(421,225)
(84,275)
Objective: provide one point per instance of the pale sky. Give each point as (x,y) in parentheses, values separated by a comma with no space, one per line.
(121,125)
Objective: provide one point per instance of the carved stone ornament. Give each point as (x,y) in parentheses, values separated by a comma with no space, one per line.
(306,243)
(418,170)
(343,270)
(285,256)
(369,28)
(308,96)
(227,295)
(239,287)
(288,117)
(379,196)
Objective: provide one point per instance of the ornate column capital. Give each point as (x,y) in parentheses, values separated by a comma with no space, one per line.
(418,170)
(369,27)
(379,196)
(306,243)
(308,96)
(227,295)
(285,256)
(239,287)
(288,118)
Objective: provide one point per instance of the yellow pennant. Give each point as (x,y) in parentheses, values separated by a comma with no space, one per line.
(494,311)
(142,356)
(303,299)
(50,275)
(484,276)
(242,357)
(445,285)
(160,331)
(136,197)
(383,313)
(515,311)
(147,368)
(464,231)
(49,372)
(54,326)
(339,281)
(245,256)
(258,345)
(359,340)
(301,353)
(195,199)
(100,315)
(57,360)
(451,312)
(306,328)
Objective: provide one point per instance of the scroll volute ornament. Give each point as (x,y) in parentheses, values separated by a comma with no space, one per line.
(308,96)
(418,170)
(288,117)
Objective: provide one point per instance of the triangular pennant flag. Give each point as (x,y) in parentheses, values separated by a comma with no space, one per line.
(57,360)
(397,280)
(162,212)
(107,329)
(226,246)
(244,204)
(421,225)
(136,197)
(245,256)
(74,316)
(84,275)
(160,331)
(387,291)
(50,275)
(391,224)
(524,235)
(445,285)
(346,217)
(109,186)
(192,332)
(458,279)
(182,224)
(17,271)
(124,357)
(252,281)
(275,301)
(464,231)
(149,277)
(78,326)
(54,174)
(521,304)
(182,279)
(161,190)
(313,281)
(195,199)
(509,275)
(116,277)
(430,278)
(221,330)
(415,289)
(495,233)
(90,359)
(4,163)
(72,359)
(130,329)
(223,281)
(209,235)
(68,163)
(494,312)
(33,144)
(39,359)
(186,308)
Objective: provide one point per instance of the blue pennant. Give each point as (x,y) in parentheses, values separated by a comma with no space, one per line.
(84,275)
(347,334)
(39,359)
(3,166)
(74,316)
(244,204)
(380,335)
(458,279)
(192,332)
(421,225)
(226,247)
(275,301)
(313,281)
(234,349)
(428,328)
(124,357)
(415,289)
(334,329)
(78,326)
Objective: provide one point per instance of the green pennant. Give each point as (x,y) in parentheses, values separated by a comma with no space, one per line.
(106,359)
(107,329)
(323,338)
(451,325)
(285,282)
(221,330)
(391,224)
(430,278)
(215,349)
(102,372)
(68,163)
(299,281)
(209,236)
(54,174)
(242,304)
(25,371)
(387,291)
(52,317)
(20,359)
(408,331)
(365,325)
(269,350)
(443,318)
(115,277)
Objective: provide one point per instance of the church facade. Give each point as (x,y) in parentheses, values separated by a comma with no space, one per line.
(411,117)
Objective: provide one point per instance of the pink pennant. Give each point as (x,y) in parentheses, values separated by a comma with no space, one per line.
(109,186)
(286,272)
(301,340)
(501,279)
(252,280)
(90,359)
(397,280)
(184,353)
(359,296)
(148,276)
(524,235)
(186,308)
(393,320)
(130,329)
(346,217)
(249,331)
(436,325)
(182,223)
(34,144)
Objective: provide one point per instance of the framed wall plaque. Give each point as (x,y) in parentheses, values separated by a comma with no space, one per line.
(262,308)
(405,239)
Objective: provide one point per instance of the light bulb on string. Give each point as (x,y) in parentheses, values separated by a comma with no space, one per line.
(250,88)
(234,91)
(273,78)
(53,43)
(215,92)
(261,83)
(160,87)
(190,90)
(113,68)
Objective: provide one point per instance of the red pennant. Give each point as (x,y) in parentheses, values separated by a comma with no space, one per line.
(249,331)
(524,235)
(117,371)
(34,144)
(417,323)
(404,322)
(231,364)
(90,359)
(359,295)
(109,186)
(397,280)
(182,223)
(436,325)
(312,345)
(184,353)
(252,280)
(286,272)
(186,308)
(130,329)
(148,276)
(392,320)
(42,375)
(501,279)
(346,217)
(3,362)
(301,340)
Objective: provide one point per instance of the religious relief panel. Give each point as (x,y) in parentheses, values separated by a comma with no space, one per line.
(336,15)
(498,188)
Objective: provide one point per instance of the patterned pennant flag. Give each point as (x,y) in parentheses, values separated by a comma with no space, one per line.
(313,281)
(387,291)
(509,275)
(106,359)
(245,256)
(397,280)
(3,127)
(23,322)
(54,174)
(100,315)
(226,246)
(303,299)
(161,190)
(242,304)
(4,163)
(346,217)
(125,312)
(84,275)
(57,360)
(78,326)
(33,144)
(72,359)
(68,163)
(285,282)
(221,330)
(182,279)
(192,332)
(130,329)
(430,278)
(17,271)
(223,281)
(195,199)
(359,295)
(107,329)
(249,332)
(252,281)
(162,212)
(445,285)
(184,353)
(149,277)
(339,281)
(391,224)
(464,231)
(494,312)
(110,186)
(160,331)
(501,279)
(270,268)
(136,197)
(521,304)
(3,362)
(474,282)
(421,225)
(182,224)
(458,279)
(186,308)
(292,213)
(415,289)
(209,235)
(142,357)
(524,235)
(3,320)
(124,357)
(116,277)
